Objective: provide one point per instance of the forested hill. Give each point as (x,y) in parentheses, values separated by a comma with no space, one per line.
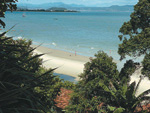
(125,8)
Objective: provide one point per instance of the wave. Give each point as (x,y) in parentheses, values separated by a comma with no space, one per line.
(19,37)
(54,44)
(92,48)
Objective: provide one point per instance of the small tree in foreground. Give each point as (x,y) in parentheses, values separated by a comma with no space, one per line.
(123,100)
(102,88)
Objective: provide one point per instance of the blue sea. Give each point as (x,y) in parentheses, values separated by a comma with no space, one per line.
(83,32)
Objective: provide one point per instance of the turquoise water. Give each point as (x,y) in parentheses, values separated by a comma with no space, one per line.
(66,77)
(84,32)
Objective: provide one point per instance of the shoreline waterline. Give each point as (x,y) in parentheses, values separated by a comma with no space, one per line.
(74,65)
(66,63)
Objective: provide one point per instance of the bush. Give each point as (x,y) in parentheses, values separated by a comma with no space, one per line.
(24,85)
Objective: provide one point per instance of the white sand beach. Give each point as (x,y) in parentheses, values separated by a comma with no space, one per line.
(73,65)
(65,62)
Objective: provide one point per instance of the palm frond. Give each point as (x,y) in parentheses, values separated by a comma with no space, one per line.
(147,98)
(103,86)
(138,84)
(124,89)
(119,110)
(27,53)
(131,91)
(51,70)
(3,40)
(19,78)
(1,35)
(144,94)
(36,56)
(112,86)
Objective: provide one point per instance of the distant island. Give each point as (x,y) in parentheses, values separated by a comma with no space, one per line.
(53,9)
(62,7)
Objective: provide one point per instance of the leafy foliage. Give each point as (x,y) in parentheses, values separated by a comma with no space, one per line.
(146,65)
(68,85)
(128,69)
(102,81)
(124,98)
(4,5)
(136,35)
(98,68)
(138,30)
(87,94)
(24,85)
(103,89)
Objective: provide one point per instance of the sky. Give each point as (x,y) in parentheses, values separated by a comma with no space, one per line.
(97,3)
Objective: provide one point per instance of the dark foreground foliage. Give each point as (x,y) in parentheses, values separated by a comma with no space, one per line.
(25,87)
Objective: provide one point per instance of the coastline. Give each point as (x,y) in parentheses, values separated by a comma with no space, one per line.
(73,65)
(66,63)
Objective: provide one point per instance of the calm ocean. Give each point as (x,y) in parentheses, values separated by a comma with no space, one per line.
(84,32)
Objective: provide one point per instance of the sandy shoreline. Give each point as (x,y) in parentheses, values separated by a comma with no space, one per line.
(67,63)
(73,65)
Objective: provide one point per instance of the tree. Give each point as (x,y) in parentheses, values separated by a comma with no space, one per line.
(123,100)
(100,68)
(24,85)
(137,29)
(87,94)
(136,35)
(4,5)
(127,70)
(102,88)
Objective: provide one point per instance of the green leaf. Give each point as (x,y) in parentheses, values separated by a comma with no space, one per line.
(1,35)
(119,110)
(111,108)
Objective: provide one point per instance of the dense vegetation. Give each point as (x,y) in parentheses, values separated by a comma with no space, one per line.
(136,35)
(53,9)
(26,87)
(102,88)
